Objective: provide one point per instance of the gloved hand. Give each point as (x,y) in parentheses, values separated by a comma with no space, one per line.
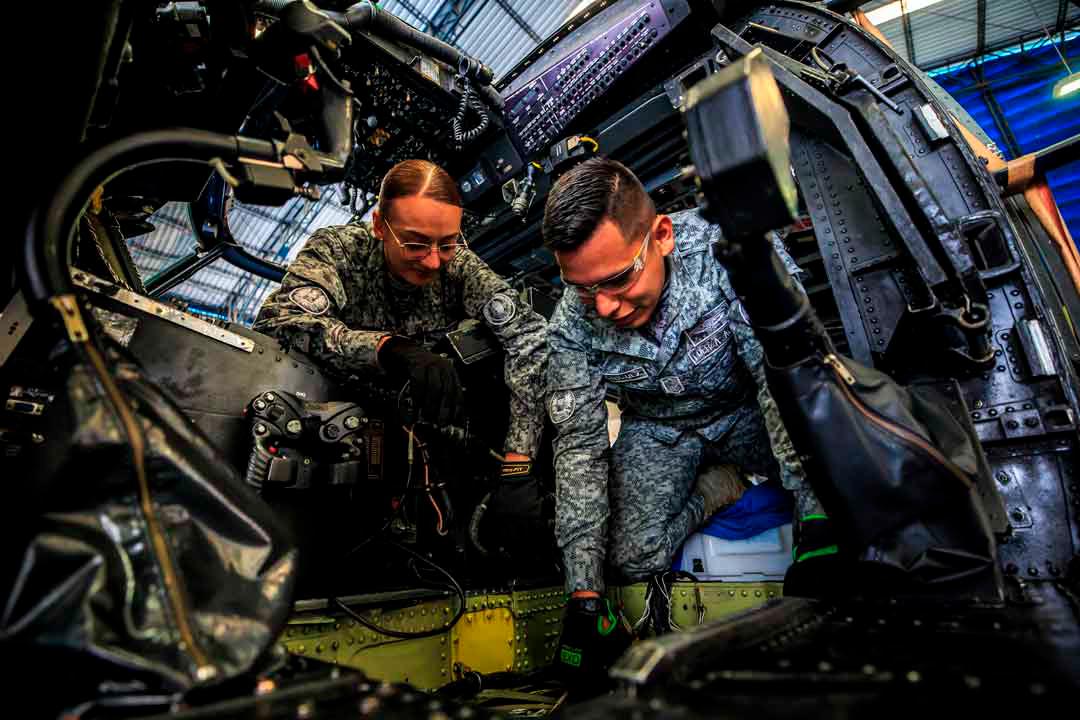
(433,382)
(592,639)
(515,519)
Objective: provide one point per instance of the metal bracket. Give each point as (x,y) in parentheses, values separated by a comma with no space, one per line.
(165,312)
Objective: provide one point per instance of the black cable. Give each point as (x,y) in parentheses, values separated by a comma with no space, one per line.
(470,100)
(410,635)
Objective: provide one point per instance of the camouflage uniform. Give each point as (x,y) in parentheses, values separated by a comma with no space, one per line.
(692,391)
(339,299)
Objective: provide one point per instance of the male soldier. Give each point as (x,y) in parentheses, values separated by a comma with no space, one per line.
(650,312)
(364,299)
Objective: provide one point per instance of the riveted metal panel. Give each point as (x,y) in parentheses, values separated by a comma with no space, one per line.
(697,603)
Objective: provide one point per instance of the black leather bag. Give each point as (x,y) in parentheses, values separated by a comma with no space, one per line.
(193,593)
(895,471)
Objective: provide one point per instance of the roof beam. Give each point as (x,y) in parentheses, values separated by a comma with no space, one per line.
(463,24)
(1063,11)
(996,113)
(1042,73)
(909,37)
(1021,40)
(505,5)
(980,46)
(424,19)
(447,17)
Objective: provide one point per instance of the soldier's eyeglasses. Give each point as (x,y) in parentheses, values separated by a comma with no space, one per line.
(620,281)
(420,250)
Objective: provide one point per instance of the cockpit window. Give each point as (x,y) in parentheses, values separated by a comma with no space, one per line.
(221,290)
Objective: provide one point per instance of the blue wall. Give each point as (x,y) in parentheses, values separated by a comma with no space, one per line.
(1022,83)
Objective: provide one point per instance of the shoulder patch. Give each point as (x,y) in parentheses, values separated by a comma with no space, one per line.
(637,373)
(561,406)
(500,309)
(708,347)
(672,385)
(310,299)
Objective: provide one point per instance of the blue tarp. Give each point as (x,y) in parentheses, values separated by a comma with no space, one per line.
(762,507)
(1023,83)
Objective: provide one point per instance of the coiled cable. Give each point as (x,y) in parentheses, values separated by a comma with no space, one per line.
(469,100)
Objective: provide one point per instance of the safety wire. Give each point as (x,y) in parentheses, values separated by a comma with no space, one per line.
(640,622)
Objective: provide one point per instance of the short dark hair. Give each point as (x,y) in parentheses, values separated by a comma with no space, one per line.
(596,190)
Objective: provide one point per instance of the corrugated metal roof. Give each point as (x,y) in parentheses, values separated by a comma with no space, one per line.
(494,37)
(1022,84)
(425,8)
(948,30)
(487,31)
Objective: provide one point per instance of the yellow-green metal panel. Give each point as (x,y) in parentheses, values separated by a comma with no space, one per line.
(697,603)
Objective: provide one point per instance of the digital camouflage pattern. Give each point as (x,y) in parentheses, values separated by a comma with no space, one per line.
(338,300)
(692,393)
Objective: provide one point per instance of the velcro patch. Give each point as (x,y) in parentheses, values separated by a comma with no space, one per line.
(500,309)
(702,351)
(631,375)
(310,299)
(672,385)
(714,321)
(561,406)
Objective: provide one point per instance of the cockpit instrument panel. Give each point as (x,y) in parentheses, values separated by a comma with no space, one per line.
(539,111)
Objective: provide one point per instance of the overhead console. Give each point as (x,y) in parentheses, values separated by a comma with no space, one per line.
(411,105)
(539,109)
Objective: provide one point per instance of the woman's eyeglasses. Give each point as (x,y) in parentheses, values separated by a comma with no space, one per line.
(420,250)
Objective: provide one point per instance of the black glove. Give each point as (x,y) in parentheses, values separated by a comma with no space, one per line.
(515,521)
(433,382)
(592,639)
(819,568)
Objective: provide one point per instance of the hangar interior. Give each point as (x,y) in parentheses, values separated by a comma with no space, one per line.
(205,522)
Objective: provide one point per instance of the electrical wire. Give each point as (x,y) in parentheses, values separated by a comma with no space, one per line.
(469,100)
(595,145)
(455,586)
(440,525)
